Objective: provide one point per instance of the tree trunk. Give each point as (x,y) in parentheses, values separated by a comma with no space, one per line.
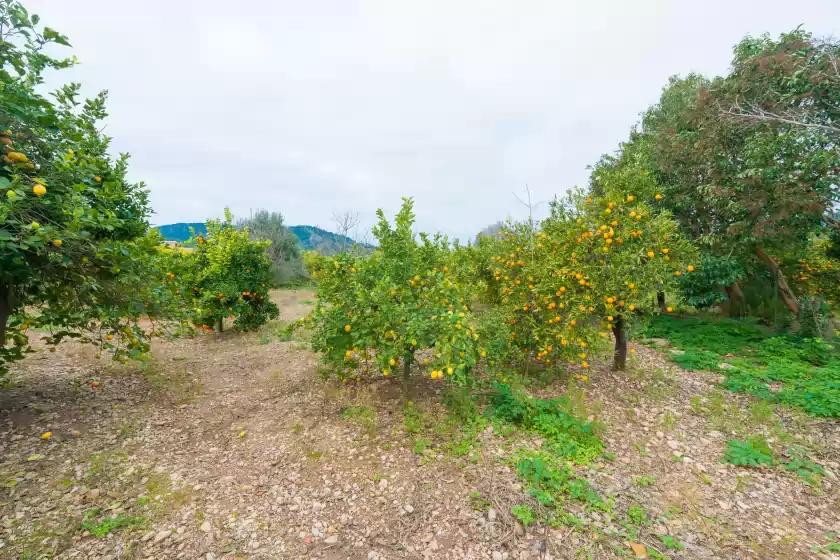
(620,356)
(660,301)
(788,297)
(407,360)
(221,324)
(735,296)
(7,297)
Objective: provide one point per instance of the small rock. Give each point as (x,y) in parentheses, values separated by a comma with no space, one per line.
(332,539)
(518,529)
(206,527)
(497,555)
(148,536)
(491,515)
(383,484)
(673,444)
(408,508)
(93,494)
(162,535)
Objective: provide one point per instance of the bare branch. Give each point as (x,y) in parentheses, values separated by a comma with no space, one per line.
(755,113)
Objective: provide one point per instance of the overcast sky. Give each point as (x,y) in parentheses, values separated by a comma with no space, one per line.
(313,107)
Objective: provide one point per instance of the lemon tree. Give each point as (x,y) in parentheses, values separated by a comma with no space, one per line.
(595,262)
(392,309)
(75,257)
(228,275)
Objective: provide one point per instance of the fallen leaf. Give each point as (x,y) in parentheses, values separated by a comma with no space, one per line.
(35,457)
(639,550)
(242,434)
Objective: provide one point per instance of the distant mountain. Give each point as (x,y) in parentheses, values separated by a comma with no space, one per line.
(316,239)
(180,232)
(311,238)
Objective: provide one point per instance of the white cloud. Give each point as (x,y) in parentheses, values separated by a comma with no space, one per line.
(322,106)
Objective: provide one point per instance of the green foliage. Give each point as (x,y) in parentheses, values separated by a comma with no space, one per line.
(797,461)
(804,372)
(524,513)
(747,163)
(75,257)
(637,515)
(671,543)
(832,546)
(751,453)
(551,482)
(566,435)
(705,288)
(230,276)
(647,480)
(386,307)
(102,526)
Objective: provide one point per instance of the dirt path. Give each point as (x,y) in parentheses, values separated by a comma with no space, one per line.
(230,446)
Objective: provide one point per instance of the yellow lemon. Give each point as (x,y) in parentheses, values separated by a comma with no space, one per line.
(46,435)
(39,190)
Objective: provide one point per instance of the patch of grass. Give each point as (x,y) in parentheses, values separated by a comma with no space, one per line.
(778,368)
(265,339)
(760,411)
(364,416)
(100,526)
(669,420)
(163,498)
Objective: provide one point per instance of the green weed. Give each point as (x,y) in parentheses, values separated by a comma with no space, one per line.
(524,513)
(648,480)
(751,453)
(803,372)
(99,527)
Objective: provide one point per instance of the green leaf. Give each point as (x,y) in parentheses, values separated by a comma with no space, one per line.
(55,37)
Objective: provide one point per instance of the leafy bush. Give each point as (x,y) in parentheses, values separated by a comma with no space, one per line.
(594,263)
(229,275)
(393,308)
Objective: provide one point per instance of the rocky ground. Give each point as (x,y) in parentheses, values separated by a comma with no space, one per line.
(231,446)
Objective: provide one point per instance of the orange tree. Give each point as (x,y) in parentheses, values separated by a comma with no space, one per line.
(595,263)
(75,257)
(395,307)
(228,275)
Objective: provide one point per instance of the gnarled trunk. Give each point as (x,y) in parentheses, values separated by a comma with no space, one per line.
(221,324)
(735,306)
(788,297)
(7,303)
(620,356)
